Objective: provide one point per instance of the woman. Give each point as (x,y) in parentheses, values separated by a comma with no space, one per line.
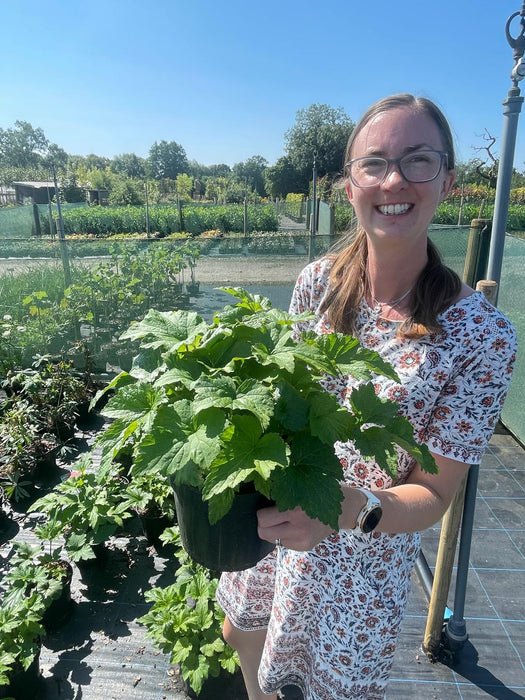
(323,612)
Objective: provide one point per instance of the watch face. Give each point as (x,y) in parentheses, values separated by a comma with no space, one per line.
(372,520)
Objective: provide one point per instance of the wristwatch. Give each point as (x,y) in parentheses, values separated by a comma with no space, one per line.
(370,514)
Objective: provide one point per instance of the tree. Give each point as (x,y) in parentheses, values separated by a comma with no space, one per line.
(282,178)
(126,191)
(321,131)
(129,164)
(89,162)
(23,146)
(184,186)
(251,172)
(167,159)
(488,173)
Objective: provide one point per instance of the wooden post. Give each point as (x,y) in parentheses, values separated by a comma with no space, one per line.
(477,249)
(444,563)
(489,289)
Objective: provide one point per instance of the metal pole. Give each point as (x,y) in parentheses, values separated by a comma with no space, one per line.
(61,234)
(147,208)
(313,215)
(511,110)
(455,630)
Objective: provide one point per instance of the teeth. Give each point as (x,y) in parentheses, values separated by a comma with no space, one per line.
(394,208)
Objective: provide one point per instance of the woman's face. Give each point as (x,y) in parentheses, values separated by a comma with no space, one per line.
(397,211)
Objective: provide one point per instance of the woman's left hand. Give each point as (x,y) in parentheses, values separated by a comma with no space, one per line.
(293,528)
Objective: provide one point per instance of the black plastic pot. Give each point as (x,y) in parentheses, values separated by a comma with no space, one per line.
(61,608)
(24,685)
(231,544)
(153,526)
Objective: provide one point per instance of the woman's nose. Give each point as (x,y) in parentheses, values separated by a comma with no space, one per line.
(394,176)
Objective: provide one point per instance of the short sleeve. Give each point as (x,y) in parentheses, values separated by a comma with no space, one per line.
(469,405)
(309,290)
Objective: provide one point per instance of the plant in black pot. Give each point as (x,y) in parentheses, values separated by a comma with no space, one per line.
(151,497)
(86,509)
(21,632)
(235,410)
(44,570)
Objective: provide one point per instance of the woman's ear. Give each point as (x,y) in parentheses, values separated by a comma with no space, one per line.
(348,191)
(448,184)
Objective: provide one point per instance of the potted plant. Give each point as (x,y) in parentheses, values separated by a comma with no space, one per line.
(86,509)
(238,405)
(185,621)
(21,631)
(193,253)
(45,571)
(151,497)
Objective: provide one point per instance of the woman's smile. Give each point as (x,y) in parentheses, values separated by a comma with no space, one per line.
(394,209)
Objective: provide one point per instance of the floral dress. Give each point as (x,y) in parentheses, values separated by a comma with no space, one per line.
(333,614)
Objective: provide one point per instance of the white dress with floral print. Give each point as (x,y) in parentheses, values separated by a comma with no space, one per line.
(333,614)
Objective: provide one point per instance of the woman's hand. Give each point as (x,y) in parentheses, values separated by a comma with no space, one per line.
(293,528)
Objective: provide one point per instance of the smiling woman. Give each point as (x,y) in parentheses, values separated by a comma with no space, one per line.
(323,612)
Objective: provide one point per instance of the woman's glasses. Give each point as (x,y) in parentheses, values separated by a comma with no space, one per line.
(419,166)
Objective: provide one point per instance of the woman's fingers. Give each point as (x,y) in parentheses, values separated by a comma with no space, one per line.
(293,529)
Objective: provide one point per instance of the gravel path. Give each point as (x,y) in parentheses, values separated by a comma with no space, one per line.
(210,269)
(245,270)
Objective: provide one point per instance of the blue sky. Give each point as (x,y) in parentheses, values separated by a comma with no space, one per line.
(225,80)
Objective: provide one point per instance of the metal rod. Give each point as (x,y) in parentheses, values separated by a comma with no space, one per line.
(426,576)
(456,629)
(511,111)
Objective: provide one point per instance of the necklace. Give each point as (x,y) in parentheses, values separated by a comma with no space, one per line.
(393,302)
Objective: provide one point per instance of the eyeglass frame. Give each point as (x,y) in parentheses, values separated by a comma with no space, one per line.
(397,161)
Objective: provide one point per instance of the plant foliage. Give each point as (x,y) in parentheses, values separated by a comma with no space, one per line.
(239,401)
(185,621)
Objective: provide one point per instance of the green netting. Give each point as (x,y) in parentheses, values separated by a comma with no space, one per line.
(510,301)
(17,222)
(452,242)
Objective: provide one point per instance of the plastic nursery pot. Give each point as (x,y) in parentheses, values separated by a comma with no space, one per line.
(61,608)
(232,543)
(23,685)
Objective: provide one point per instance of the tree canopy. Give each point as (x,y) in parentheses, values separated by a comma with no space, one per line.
(167,159)
(322,132)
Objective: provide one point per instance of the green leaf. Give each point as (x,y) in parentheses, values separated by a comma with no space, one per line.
(350,356)
(312,481)
(181,372)
(256,398)
(368,407)
(178,446)
(166,329)
(291,408)
(135,402)
(252,302)
(376,443)
(214,391)
(385,428)
(329,421)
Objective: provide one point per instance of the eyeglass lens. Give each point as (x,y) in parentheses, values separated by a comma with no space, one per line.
(421,166)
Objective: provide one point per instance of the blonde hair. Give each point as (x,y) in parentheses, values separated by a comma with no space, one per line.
(436,287)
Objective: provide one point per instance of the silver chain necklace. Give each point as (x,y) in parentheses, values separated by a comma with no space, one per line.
(393,302)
